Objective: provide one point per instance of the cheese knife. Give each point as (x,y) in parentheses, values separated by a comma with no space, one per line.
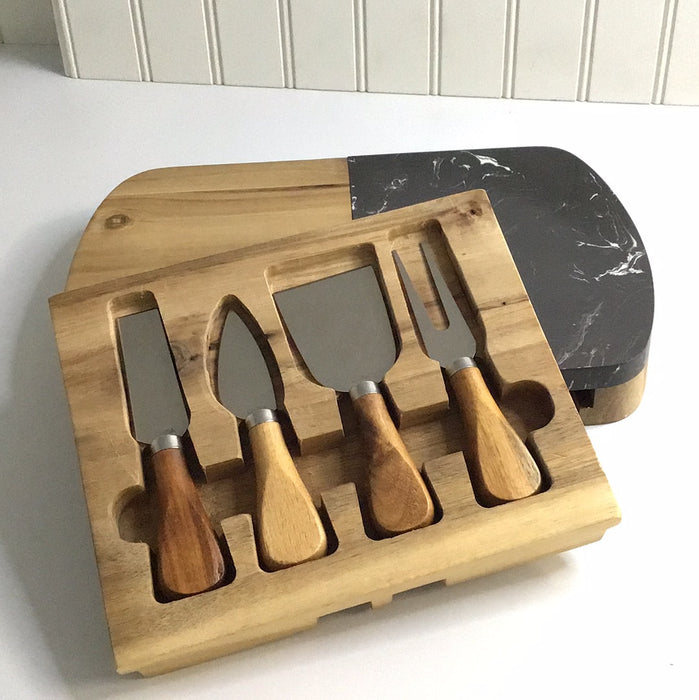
(341,327)
(189,558)
(289,527)
(501,465)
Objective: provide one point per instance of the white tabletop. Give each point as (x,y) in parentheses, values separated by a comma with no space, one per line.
(617,618)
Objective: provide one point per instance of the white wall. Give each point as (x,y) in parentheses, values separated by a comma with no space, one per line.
(27,22)
(598,50)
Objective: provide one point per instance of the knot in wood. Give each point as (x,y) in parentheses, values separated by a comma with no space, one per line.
(116,221)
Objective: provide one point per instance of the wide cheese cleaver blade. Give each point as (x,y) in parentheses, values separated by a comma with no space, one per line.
(189,558)
(289,527)
(341,327)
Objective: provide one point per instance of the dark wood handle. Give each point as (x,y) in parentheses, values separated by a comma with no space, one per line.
(189,557)
(501,467)
(289,527)
(398,498)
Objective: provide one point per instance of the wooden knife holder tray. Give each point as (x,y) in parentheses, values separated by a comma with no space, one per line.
(467,539)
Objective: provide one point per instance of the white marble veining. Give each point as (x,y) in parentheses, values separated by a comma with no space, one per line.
(579,254)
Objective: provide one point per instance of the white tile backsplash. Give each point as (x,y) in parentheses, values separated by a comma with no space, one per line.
(626,50)
(597,50)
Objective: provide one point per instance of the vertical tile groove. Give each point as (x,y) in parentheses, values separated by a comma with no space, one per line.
(587,78)
(212,41)
(359,15)
(137,23)
(509,66)
(286,39)
(664,50)
(69,59)
(435,46)
(586,45)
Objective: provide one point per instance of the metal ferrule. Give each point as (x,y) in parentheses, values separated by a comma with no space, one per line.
(362,388)
(260,415)
(165,442)
(461,363)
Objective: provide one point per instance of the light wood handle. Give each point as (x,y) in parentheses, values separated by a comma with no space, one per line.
(189,557)
(290,530)
(501,466)
(398,498)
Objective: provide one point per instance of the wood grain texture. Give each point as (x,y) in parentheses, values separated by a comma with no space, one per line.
(289,528)
(500,465)
(398,498)
(172,215)
(576,507)
(616,402)
(189,557)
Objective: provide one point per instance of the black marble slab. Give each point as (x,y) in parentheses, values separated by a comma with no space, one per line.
(576,248)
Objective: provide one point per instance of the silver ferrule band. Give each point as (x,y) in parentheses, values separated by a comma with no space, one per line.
(362,388)
(461,363)
(165,442)
(260,415)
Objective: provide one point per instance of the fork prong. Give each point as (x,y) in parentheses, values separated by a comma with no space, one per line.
(446,299)
(422,319)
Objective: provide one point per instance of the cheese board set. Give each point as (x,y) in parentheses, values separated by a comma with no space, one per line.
(313,413)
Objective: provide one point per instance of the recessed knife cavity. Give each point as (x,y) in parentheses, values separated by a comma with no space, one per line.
(341,327)
(289,527)
(189,558)
(502,467)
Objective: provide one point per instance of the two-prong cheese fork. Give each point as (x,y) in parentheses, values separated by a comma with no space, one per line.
(501,466)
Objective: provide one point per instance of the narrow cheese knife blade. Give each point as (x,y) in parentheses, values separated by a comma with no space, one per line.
(290,530)
(501,466)
(189,559)
(154,393)
(340,325)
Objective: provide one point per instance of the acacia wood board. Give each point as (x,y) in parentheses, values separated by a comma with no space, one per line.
(468,539)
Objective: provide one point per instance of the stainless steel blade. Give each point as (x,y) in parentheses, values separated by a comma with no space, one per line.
(244,382)
(153,389)
(341,327)
(445,344)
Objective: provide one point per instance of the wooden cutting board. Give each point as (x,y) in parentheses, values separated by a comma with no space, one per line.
(469,536)
(578,252)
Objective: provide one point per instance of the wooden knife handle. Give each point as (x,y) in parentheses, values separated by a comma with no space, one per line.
(398,498)
(501,466)
(290,530)
(189,557)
